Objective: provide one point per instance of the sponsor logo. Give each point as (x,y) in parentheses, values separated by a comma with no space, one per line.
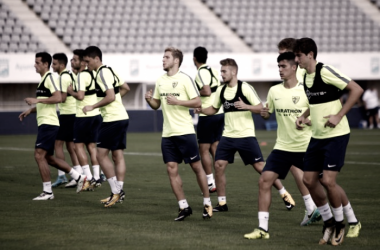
(314,94)
(192,158)
(227,105)
(256,67)
(134,67)
(167,94)
(38,144)
(330,166)
(295,99)
(289,206)
(375,65)
(256,159)
(174,84)
(4,68)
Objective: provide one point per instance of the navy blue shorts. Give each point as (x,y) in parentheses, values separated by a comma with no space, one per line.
(46,137)
(178,148)
(326,154)
(280,162)
(247,147)
(210,128)
(86,129)
(113,135)
(66,128)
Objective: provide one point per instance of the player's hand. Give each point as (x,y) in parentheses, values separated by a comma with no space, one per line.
(332,121)
(264,112)
(240,104)
(24,114)
(198,110)
(70,89)
(171,100)
(149,95)
(31,101)
(300,122)
(87,109)
(307,122)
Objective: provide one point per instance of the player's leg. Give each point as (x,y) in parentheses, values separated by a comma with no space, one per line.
(220,180)
(207,162)
(61,178)
(92,151)
(120,170)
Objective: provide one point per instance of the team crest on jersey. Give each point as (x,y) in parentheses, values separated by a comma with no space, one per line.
(174,84)
(295,99)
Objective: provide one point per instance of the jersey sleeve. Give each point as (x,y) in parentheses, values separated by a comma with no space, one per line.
(217,101)
(65,82)
(331,75)
(250,93)
(203,78)
(190,87)
(270,101)
(82,81)
(156,93)
(51,84)
(106,79)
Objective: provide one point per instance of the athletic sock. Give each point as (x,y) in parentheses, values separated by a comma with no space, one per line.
(60,172)
(47,187)
(349,213)
(95,170)
(74,174)
(222,200)
(113,185)
(87,172)
(338,213)
(325,212)
(207,201)
(263,220)
(282,191)
(210,179)
(183,204)
(78,168)
(309,204)
(120,184)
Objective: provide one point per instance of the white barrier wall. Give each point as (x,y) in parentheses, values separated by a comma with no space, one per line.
(146,68)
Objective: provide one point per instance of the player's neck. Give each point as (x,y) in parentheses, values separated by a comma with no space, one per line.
(60,71)
(233,83)
(198,65)
(291,82)
(172,71)
(43,72)
(310,69)
(82,68)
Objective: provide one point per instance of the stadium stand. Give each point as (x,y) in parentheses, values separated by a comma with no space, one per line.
(15,37)
(135,26)
(336,26)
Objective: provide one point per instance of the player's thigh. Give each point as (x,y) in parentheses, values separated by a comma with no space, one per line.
(226,150)
(335,152)
(249,150)
(278,162)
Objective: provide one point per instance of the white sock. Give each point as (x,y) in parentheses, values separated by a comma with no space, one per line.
(47,187)
(60,172)
(101,172)
(207,201)
(87,172)
(95,170)
(349,213)
(222,200)
(309,204)
(325,212)
(183,204)
(263,220)
(210,179)
(113,186)
(121,184)
(338,213)
(78,168)
(74,174)
(282,191)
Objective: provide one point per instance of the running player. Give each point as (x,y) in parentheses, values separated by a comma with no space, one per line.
(113,130)
(330,134)
(48,95)
(176,92)
(86,126)
(239,101)
(209,128)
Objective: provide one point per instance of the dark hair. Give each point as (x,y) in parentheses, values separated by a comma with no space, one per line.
(200,54)
(79,53)
(229,62)
(289,56)
(61,58)
(45,57)
(176,53)
(306,45)
(93,52)
(287,43)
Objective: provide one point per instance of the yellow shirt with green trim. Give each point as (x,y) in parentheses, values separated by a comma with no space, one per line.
(238,124)
(115,110)
(84,79)
(330,75)
(69,106)
(203,78)
(288,104)
(177,118)
(47,113)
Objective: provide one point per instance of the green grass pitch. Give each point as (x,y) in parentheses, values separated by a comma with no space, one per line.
(146,219)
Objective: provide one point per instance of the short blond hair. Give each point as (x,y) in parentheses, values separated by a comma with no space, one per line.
(229,62)
(176,53)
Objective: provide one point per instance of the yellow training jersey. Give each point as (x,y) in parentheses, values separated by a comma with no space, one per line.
(85,83)
(238,124)
(289,104)
(69,106)
(47,113)
(115,110)
(177,119)
(331,76)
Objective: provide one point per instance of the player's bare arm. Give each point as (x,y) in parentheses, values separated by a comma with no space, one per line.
(207,111)
(264,112)
(77,95)
(124,89)
(354,93)
(110,97)
(153,103)
(193,103)
(26,113)
(64,96)
(205,91)
(303,120)
(55,98)
(254,109)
